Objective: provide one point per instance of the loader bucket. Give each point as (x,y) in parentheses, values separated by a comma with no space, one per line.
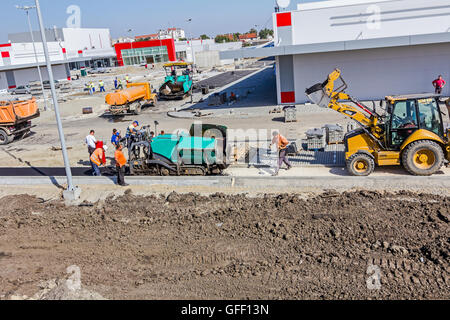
(318,95)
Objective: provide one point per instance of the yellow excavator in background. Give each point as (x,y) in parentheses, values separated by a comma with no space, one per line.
(411,133)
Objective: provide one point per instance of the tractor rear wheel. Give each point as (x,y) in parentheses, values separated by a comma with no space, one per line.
(360,165)
(423,158)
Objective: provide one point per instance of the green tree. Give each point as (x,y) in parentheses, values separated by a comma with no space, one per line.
(222,39)
(253,30)
(236,36)
(204,37)
(265,33)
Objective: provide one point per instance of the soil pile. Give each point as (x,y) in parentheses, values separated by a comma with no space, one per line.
(355,245)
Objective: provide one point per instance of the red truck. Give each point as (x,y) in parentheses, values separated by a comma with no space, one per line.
(15,119)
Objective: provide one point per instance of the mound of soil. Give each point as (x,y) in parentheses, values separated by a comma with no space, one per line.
(355,245)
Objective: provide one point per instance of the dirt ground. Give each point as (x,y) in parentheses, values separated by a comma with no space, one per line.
(329,246)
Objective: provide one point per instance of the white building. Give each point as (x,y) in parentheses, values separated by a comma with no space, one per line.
(172,33)
(68,49)
(383,47)
(206,52)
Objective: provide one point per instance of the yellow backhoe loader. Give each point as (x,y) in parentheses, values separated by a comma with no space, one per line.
(410,132)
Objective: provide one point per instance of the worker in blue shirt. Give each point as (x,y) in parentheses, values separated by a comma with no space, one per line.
(115,139)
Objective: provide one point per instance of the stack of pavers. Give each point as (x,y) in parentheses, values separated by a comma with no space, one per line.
(35,88)
(334,134)
(316,139)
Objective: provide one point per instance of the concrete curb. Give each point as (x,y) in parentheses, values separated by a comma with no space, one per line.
(405,183)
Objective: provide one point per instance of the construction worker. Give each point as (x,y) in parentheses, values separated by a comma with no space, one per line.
(101,86)
(127,79)
(131,133)
(115,138)
(439,84)
(282,144)
(90,88)
(116,83)
(120,86)
(98,158)
(121,161)
(91,142)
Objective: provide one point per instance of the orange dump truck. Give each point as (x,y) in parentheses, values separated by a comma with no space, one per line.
(131,99)
(15,119)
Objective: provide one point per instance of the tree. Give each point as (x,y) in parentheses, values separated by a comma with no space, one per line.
(236,36)
(265,33)
(204,37)
(222,39)
(253,30)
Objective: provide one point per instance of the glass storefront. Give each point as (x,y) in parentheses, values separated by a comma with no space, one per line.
(145,55)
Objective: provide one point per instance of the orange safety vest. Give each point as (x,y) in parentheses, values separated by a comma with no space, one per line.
(120,159)
(97,157)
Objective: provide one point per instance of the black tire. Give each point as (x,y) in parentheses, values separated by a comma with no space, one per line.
(360,165)
(138,110)
(4,138)
(423,158)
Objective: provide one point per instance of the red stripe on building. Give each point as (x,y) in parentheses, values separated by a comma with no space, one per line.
(288,97)
(80,51)
(169,43)
(64,50)
(12,87)
(5,45)
(5,54)
(284,19)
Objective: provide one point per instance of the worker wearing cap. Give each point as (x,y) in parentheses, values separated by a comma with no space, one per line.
(101,86)
(131,133)
(98,158)
(282,144)
(121,161)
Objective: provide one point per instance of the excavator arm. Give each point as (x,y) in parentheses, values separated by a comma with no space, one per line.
(326,95)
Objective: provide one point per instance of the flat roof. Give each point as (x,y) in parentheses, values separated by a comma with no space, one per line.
(414,96)
(388,42)
(336,3)
(44,64)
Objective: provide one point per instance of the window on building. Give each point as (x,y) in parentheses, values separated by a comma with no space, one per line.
(145,55)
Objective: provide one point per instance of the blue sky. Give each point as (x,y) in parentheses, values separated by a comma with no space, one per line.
(146,16)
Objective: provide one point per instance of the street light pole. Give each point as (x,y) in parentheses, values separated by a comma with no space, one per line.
(72,192)
(27,8)
(192,44)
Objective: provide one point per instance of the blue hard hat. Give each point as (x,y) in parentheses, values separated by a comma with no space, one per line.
(137,123)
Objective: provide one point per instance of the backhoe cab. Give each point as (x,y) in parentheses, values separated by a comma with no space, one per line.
(410,132)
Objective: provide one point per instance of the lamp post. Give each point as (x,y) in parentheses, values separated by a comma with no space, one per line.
(72,192)
(192,45)
(27,10)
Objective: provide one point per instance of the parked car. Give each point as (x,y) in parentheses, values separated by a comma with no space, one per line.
(20,90)
(47,84)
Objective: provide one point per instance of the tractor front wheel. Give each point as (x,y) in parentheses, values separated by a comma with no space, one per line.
(423,158)
(360,165)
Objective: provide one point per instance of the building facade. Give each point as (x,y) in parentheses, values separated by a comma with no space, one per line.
(68,49)
(383,47)
(151,51)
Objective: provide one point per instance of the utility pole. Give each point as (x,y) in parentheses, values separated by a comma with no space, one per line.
(72,192)
(192,44)
(27,9)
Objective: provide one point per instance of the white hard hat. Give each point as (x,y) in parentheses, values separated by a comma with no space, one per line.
(105,148)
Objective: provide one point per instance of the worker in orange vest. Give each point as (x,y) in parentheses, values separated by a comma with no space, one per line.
(282,144)
(121,161)
(98,158)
